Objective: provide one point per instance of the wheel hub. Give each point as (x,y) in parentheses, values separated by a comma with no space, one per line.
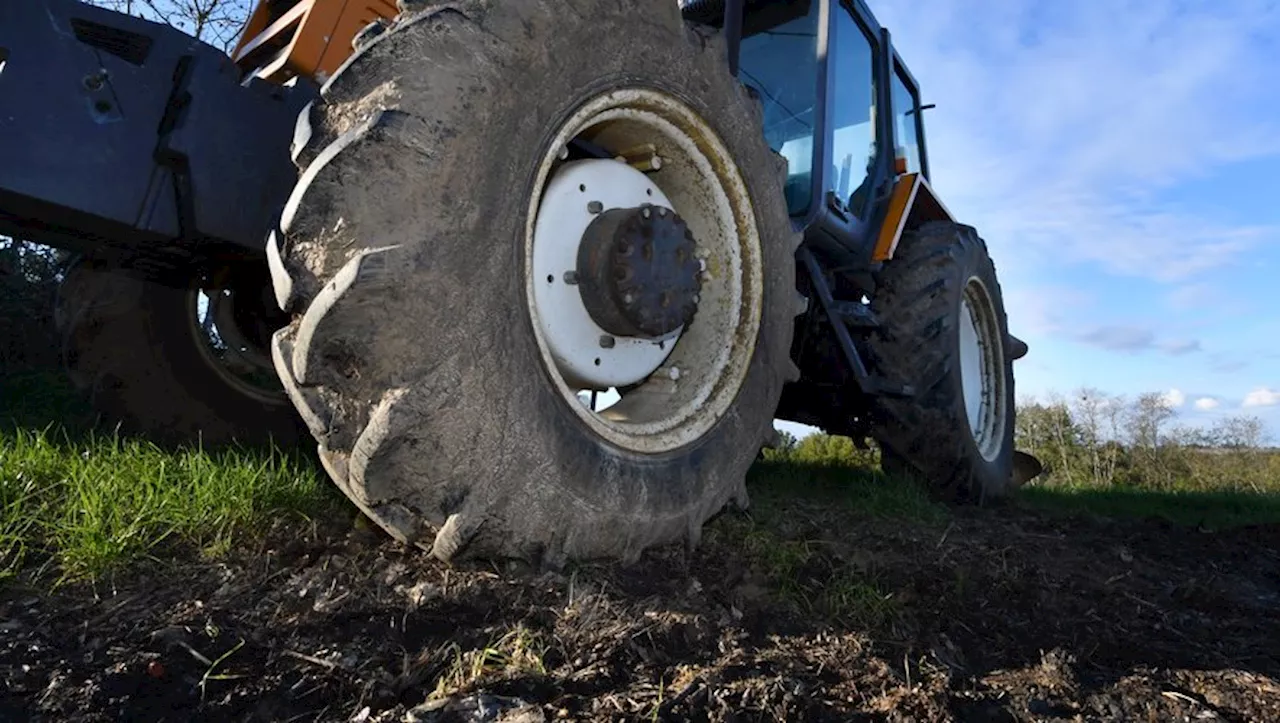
(638,271)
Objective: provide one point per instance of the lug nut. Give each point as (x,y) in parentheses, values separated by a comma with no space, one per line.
(595,207)
(564,153)
(571,277)
(646,212)
(607,342)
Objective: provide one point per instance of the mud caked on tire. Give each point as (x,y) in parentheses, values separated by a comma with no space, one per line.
(944,332)
(409,254)
(136,349)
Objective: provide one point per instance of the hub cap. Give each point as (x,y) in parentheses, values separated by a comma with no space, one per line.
(638,271)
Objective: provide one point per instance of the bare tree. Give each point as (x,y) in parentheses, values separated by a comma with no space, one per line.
(217,22)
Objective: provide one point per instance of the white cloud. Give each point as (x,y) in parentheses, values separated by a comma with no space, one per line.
(1059,124)
(1262,397)
(1175,398)
(1206,404)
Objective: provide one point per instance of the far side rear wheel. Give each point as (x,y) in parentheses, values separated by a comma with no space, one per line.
(187,363)
(945,334)
(466,270)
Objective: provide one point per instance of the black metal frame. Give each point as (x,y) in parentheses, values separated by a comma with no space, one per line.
(134,141)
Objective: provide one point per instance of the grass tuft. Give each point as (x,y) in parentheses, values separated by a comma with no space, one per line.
(95,505)
(517,653)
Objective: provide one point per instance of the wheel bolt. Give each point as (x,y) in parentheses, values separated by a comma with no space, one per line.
(595,207)
(607,342)
(571,278)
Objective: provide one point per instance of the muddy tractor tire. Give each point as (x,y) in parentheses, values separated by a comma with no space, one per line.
(944,333)
(135,348)
(460,266)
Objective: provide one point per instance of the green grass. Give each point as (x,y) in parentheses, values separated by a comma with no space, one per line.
(792,534)
(94,505)
(777,487)
(1220,509)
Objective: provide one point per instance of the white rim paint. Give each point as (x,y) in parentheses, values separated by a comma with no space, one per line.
(239,363)
(982,369)
(697,378)
(571,335)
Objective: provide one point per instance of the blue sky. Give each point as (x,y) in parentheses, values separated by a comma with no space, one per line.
(1122,160)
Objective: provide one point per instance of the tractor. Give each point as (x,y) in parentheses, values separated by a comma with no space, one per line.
(536,277)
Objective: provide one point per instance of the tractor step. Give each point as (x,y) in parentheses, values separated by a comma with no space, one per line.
(855,314)
(842,315)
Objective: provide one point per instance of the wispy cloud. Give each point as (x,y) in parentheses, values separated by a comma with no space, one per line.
(1227,364)
(1178,348)
(1133,339)
(1206,404)
(1262,397)
(1060,124)
(1120,338)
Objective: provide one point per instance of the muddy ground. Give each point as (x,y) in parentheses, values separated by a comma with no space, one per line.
(982,615)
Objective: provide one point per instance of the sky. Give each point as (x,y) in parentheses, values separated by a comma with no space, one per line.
(1122,161)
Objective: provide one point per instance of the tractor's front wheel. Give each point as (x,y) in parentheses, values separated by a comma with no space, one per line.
(945,334)
(504,213)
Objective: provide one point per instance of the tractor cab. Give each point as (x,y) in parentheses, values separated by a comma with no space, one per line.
(840,105)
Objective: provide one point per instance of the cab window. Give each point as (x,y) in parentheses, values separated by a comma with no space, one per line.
(779,60)
(853,142)
(906,121)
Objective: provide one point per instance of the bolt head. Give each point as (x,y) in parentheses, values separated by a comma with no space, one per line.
(595,207)
(607,342)
(571,277)
(646,212)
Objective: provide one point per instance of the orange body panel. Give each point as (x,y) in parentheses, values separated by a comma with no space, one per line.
(309,38)
(913,201)
(904,192)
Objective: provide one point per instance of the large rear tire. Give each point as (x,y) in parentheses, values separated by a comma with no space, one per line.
(138,349)
(944,333)
(419,354)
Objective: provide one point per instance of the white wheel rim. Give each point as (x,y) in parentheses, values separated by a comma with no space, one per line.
(686,384)
(571,335)
(982,369)
(243,367)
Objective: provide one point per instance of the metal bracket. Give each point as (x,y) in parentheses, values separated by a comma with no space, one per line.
(843,314)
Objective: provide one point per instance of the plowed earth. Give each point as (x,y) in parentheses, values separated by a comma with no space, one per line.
(985,615)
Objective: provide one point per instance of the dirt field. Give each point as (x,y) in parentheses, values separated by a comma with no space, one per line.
(980,615)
